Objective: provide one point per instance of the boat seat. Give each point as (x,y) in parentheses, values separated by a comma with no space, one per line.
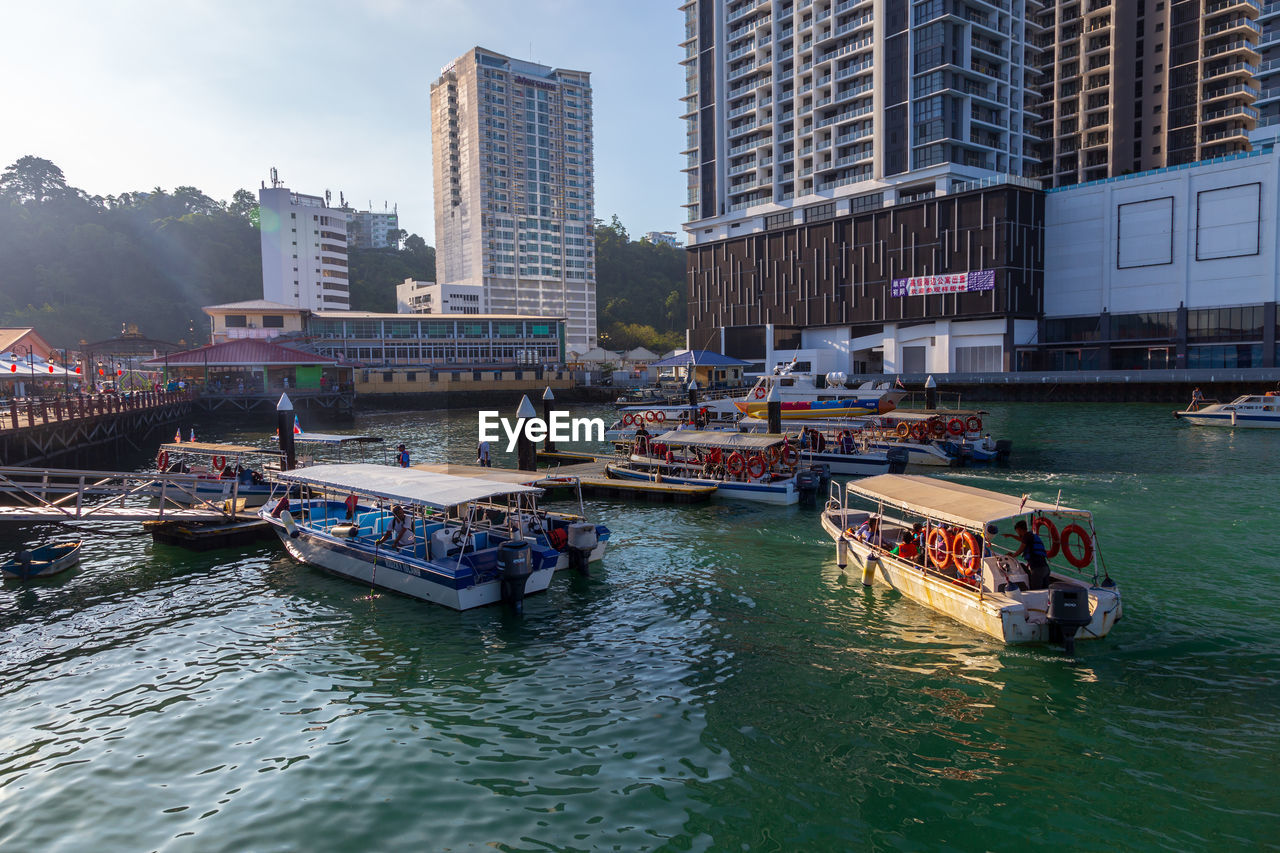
(481,562)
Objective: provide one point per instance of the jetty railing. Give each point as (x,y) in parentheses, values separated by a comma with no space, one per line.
(60,494)
(19,413)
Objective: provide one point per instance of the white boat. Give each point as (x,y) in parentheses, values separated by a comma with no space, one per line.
(1252,411)
(965,569)
(223,471)
(459,557)
(745,466)
(42,562)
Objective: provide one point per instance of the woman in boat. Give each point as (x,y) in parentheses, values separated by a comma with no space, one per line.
(869,530)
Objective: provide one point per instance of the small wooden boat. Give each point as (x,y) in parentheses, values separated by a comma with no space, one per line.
(43,561)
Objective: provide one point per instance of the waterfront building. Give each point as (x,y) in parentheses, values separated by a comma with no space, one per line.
(25,341)
(664,238)
(429,297)
(369,339)
(252,366)
(372,230)
(512,160)
(259,319)
(304,249)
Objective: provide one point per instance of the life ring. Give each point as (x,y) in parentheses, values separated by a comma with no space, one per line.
(756,466)
(627,420)
(789,455)
(938,547)
(966,544)
(735,464)
(955,426)
(760,393)
(659,416)
(973,423)
(903,429)
(650,416)
(1083,559)
(1041,521)
(919,432)
(772,455)
(162,460)
(219,462)
(937,428)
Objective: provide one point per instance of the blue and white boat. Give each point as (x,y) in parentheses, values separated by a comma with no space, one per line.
(223,471)
(1252,411)
(458,556)
(761,467)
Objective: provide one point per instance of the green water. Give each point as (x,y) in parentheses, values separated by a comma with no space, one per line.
(717,684)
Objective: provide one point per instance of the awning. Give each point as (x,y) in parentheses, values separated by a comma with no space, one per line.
(712,438)
(497,475)
(332,438)
(402,485)
(213,448)
(950,502)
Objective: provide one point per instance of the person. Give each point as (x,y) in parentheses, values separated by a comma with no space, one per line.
(846,442)
(482,455)
(909,547)
(1197,399)
(1032,549)
(642,439)
(400,532)
(402,456)
(869,530)
(819,441)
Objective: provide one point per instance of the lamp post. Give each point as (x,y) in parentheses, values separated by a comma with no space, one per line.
(30,370)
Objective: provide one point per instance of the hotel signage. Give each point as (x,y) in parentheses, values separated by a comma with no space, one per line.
(928,285)
(540,84)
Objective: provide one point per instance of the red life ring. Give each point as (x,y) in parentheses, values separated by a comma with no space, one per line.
(937,428)
(1083,559)
(650,416)
(1041,521)
(772,455)
(789,455)
(919,432)
(627,420)
(219,462)
(659,417)
(955,426)
(162,460)
(735,464)
(938,546)
(973,423)
(965,554)
(760,392)
(756,466)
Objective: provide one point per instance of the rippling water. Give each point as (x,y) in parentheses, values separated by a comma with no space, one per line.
(717,684)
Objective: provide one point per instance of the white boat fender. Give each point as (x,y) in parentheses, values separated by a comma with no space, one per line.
(869,569)
(582,541)
(290,526)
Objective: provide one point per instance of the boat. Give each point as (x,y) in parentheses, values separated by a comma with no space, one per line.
(460,557)
(42,562)
(1252,411)
(965,569)
(319,447)
(747,466)
(223,471)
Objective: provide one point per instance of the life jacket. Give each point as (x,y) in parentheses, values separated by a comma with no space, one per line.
(558,538)
(1037,554)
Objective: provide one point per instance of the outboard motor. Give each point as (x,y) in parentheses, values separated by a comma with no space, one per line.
(822,471)
(582,541)
(1004,449)
(898,458)
(515,560)
(1068,612)
(807,487)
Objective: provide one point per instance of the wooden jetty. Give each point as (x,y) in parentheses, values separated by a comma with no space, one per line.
(35,431)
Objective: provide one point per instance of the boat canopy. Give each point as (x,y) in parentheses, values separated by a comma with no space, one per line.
(213,448)
(402,485)
(950,502)
(333,438)
(713,438)
(497,475)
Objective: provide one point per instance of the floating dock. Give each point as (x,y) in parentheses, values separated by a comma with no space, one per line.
(205,536)
(586,470)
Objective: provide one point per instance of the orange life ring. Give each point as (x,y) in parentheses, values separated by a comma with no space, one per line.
(1040,521)
(937,428)
(1083,559)
(955,426)
(760,392)
(659,416)
(772,455)
(650,416)
(934,548)
(903,429)
(735,463)
(219,462)
(756,466)
(789,455)
(966,554)
(973,423)
(919,432)
(162,460)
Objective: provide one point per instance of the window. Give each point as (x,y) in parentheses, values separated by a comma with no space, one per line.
(981,359)
(236,321)
(273,321)
(778,220)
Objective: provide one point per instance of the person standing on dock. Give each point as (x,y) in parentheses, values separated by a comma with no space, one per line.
(402,456)
(482,455)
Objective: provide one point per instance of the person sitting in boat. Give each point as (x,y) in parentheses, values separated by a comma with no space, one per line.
(1037,557)
(869,530)
(400,532)
(909,547)
(846,442)
(244,475)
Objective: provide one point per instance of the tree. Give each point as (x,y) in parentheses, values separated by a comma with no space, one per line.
(34,179)
(243,204)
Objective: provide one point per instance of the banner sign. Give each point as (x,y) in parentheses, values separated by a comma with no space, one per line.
(928,285)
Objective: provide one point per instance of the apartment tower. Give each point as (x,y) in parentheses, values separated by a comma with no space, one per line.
(512,161)
(304,249)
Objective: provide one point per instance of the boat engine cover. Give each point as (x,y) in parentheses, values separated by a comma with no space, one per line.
(1069,606)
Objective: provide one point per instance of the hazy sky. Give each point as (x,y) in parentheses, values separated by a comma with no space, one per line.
(128,95)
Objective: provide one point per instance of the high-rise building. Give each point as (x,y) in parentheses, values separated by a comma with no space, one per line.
(512,161)
(1131,85)
(373,230)
(304,249)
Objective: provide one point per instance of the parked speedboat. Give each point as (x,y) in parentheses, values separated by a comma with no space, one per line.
(1254,411)
(961,565)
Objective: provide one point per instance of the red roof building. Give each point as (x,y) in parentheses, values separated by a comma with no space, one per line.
(250,365)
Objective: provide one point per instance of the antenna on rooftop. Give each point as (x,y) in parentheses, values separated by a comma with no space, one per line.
(275,178)
(328,197)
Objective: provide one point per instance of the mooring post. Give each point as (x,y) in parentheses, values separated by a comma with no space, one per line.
(693,402)
(548,445)
(930,394)
(526,458)
(284,428)
(773,405)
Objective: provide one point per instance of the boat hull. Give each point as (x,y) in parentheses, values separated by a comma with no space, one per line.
(1225,419)
(1015,617)
(918,454)
(849,464)
(46,561)
(783,493)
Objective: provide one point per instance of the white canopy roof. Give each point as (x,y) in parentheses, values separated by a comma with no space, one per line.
(952,503)
(331,438)
(499,475)
(213,448)
(402,485)
(715,438)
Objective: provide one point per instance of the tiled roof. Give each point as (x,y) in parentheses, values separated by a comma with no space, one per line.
(253,305)
(246,352)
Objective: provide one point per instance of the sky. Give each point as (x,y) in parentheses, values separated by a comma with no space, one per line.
(129,95)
